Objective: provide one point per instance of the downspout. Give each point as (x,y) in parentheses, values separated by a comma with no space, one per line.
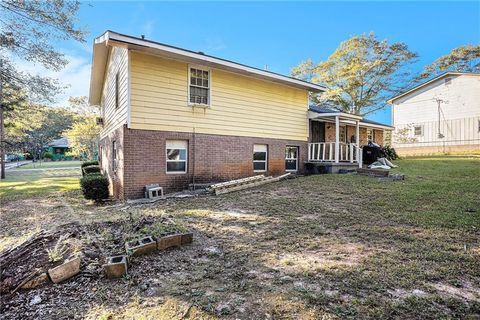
(193,158)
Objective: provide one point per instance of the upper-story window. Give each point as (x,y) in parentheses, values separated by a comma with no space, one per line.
(199,86)
(418,131)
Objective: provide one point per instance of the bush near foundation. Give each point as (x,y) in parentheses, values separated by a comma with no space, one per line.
(94,187)
(91,170)
(87,164)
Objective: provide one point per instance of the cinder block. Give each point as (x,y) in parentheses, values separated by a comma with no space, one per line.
(187,238)
(174,240)
(116,266)
(141,247)
(65,270)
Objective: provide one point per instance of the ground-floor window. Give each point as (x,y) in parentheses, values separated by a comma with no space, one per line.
(291,158)
(418,131)
(260,157)
(114,156)
(369,135)
(343,134)
(176,156)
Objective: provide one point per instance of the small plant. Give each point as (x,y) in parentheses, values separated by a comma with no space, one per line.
(389,153)
(59,250)
(94,187)
(93,169)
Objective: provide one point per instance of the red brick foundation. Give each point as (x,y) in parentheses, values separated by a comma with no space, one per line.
(211,158)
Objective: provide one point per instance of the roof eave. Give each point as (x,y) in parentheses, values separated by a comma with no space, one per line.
(154,47)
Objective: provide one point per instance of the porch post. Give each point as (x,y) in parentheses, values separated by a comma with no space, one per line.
(337,138)
(357,138)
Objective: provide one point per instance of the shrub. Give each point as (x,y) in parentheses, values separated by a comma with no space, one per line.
(94,187)
(48,155)
(389,153)
(89,163)
(90,170)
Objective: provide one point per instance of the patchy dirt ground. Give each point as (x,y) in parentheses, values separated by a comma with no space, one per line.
(319,247)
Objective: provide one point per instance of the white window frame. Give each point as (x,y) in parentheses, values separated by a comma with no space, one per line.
(114,156)
(370,135)
(180,148)
(264,161)
(415,129)
(192,104)
(296,159)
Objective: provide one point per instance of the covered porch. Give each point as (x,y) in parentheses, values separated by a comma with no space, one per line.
(337,138)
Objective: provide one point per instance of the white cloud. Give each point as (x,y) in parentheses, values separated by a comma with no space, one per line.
(75,76)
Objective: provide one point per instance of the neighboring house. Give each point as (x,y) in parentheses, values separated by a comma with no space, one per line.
(178,117)
(58,148)
(440,115)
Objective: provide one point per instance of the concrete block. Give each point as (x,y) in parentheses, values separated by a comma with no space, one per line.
(116,266)
(65,270)
(174,240)
(141,247)
(187,238)
(37,281)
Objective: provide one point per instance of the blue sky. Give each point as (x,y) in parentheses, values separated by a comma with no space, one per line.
(276,34)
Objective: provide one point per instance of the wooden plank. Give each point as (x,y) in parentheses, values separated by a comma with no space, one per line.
(251,185)
(234,182)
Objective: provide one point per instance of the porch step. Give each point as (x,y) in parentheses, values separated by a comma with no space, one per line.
(242,184)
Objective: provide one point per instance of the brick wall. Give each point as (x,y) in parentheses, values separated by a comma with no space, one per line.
(211,158)
(350,131)
(106,161)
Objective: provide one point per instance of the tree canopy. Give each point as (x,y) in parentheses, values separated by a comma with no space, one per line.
(462,59)
(29,32)
(360,75)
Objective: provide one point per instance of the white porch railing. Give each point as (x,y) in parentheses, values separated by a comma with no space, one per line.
(325,151)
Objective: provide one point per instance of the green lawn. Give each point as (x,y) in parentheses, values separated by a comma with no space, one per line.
(315,247)
(23,183)
(51,164)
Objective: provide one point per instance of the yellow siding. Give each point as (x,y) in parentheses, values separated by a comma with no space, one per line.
(240,106)
(115,117)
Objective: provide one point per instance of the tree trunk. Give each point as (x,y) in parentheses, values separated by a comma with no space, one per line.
(2,135)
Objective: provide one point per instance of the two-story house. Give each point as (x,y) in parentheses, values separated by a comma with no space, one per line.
(177,117)
(439,115)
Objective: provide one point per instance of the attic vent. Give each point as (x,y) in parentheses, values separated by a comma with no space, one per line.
(448,81)
(201,52)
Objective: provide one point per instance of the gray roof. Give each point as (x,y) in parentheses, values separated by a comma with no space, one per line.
(322,109)
(60,143)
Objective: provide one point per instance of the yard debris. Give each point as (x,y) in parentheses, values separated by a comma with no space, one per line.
(140,247)
(36,282)
(245,183)
(373,172)
(382,163)
(116,266)
(65,271)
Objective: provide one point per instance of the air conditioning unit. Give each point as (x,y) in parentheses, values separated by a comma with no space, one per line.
(99,121)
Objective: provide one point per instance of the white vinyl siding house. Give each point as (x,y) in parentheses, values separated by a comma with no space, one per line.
(440,115)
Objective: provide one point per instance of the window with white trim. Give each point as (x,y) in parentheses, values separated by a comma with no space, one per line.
(291,158)
(114,156)
(260,157)
(199,86)
(176,156)
(418,131)
(369,134)
(343,134)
